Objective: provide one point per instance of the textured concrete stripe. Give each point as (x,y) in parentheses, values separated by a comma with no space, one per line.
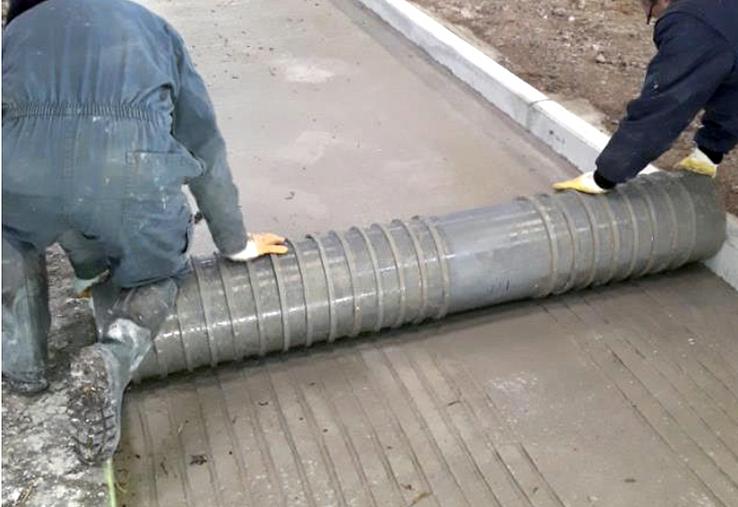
(451,449)
(666,417)
(541,493)
(244,473)
(691,346)
(712,350)
(185,419)
(574,317)
(706,308)
(475,439)
(368,398)
(668,348)
(720,486)
(439,398)
(363,438)
(524,478)
(138,480)
(522,470)
(442,481)
(715,352)
(308,496)
(348,445)
(719,392)
(317,433)
(277,440)
(565,132)
(317,468)
(263,485)
(407,474)
(680,408)
(723,423)
(226,463)
(340,457)
(171,483)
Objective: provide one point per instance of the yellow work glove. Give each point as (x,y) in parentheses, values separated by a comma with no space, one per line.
(258,245)
(584,183)
(699,163)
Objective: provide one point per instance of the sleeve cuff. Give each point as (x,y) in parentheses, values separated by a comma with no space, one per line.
(603,182)
(250,252)
(232,245)
(715,156)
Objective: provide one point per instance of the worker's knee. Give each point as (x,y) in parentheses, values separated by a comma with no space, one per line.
(147,306)
(86,254)
(152,248)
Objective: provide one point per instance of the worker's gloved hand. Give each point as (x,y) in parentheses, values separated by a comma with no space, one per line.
(698,162)
(258,245)
(584,183)
(83,287)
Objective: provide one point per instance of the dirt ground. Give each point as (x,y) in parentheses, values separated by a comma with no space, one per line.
(596,50)
(38,465)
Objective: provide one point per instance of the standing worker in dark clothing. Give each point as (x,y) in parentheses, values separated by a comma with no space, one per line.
(104,120)
(696,68)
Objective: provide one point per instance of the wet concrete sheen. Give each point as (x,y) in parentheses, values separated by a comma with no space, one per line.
(618,396)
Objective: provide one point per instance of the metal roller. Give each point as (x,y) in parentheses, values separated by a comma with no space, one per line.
(338,285)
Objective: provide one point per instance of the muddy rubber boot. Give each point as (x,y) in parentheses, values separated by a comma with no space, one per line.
(25,319)
(30,383)
(101,372)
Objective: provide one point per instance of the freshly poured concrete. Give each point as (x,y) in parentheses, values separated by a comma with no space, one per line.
(624,395)
(333,120)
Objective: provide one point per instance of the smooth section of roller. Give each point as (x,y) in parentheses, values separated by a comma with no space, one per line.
(338,285)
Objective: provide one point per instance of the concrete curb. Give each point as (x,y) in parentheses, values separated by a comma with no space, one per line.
(725,263)
(566,133)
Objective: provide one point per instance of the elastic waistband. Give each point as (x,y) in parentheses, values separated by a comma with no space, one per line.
(55,110)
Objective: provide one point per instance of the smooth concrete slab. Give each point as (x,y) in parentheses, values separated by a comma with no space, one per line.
(619,396)
(332,120)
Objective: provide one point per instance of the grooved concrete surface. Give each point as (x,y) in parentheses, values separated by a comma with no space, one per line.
(619,396)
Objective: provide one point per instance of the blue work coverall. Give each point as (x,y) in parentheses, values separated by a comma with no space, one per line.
(104,119)
(696,68)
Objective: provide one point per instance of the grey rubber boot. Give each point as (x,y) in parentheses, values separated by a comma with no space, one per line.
(101,372)
(26,319)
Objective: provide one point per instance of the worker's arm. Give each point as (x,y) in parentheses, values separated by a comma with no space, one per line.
(691,63)
(196,128)
(217,197)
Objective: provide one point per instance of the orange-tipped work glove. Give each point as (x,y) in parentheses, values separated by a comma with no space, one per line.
(258,245)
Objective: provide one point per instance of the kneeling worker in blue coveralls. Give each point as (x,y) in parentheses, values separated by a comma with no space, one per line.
(104,119)
(696,68)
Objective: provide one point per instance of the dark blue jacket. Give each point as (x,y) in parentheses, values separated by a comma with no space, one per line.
(696,68)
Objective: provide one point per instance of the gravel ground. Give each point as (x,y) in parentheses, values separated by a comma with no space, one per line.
(586,53)
(38,465)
